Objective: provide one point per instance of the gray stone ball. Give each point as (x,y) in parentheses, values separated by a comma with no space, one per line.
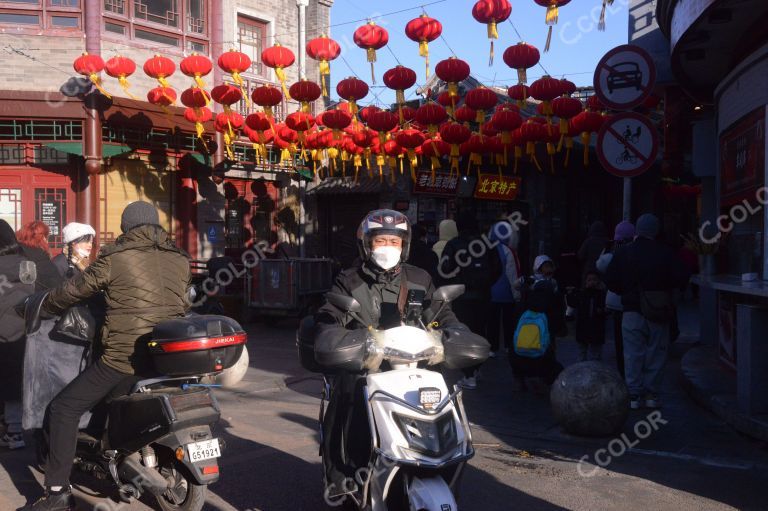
(590,399)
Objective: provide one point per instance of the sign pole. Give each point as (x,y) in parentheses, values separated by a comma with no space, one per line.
(627,209)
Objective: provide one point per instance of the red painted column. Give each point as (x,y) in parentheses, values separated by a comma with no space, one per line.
(88,196)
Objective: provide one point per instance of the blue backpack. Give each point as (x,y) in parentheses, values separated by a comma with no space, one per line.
(532,334)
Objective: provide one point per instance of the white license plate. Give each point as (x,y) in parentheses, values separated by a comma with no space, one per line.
(201,451)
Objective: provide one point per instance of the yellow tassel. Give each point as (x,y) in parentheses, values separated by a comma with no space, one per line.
(423,48)
(493,32)
(435,164)
(522,75)
(433,173)
(400,157)
(536,162)
(372,58)
(400,96)
(125,85)
(491,55)
(280,73)
(199,81)
(455,166)
(480,118)
(552,14)
(97,83)
(200,129)
(476,158)
(163,82)
(325,68)
(549,39)
(455,151)
(550,148)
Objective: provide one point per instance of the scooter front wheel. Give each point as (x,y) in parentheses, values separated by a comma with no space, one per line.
(183,494)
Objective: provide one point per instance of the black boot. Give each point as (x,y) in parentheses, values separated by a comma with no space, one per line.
(50,501)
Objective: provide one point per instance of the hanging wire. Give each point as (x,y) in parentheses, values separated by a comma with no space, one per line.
(520,37)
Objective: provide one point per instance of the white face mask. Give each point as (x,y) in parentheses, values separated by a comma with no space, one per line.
(386,257)
(82,253)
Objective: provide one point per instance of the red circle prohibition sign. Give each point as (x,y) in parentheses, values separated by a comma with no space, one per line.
(647,160)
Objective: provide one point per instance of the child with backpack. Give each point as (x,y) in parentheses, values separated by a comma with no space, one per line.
(590,317)
(543,318)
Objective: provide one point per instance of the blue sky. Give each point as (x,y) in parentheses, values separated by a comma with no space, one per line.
(576,46)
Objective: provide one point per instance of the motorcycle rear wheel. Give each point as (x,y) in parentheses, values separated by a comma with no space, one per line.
(184,494)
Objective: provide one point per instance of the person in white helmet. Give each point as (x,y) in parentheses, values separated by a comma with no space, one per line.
(78,241)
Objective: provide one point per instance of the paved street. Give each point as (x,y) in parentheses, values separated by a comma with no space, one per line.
(524,461)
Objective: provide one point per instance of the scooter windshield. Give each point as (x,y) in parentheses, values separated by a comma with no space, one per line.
(407,344)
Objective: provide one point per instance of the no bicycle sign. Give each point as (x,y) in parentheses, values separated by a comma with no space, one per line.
(627,145)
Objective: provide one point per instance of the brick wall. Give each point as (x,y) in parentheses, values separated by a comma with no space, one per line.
(38,63)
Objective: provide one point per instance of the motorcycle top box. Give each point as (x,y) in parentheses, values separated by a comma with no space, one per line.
(196,345)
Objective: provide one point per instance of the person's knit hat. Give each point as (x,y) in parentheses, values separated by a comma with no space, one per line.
(624,231)
(7,236)
(647,226)
(73,231)
(138,213)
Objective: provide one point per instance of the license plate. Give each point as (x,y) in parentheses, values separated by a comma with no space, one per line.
(201,451)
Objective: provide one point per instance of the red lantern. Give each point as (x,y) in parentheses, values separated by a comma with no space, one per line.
(300,122)
(434,148)
(521,56)
(228,123)
(353,90)
(323,49)
(546,89)
(431,115)
(236,62)
(531,132)
(367,111)
(160,68)
(227,95)
(567,87)
(594,104)
(91,66)
(383,122)
(492,12)
(258,122)
(586,123)
(452,71)
(447,101)
(195,97)
(279,57)
(121,68)
(551,17)
(465,114)
(481,99)
(305,92)
(410,139)
(198,116)
(454,134)
(267,97)
(163,96)
(337,120)
(565,108)
(519,93)
(474,148)
(424,30)
(196,66)
(371,37)
(506,120)
(400,78)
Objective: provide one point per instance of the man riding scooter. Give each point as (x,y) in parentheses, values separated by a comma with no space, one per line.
(145,277)
(383,285)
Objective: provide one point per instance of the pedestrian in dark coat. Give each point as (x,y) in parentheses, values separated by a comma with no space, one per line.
(591,248)
(13,290)
(421,255)
(590,317)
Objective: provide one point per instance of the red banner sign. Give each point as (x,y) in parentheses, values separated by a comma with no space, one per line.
(742,159)
(444,184)
(496,187)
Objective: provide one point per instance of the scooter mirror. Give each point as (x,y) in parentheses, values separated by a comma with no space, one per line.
(343,302)
(448,293)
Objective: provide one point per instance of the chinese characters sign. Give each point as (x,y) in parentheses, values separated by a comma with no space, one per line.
(742,154)
(444,184)
(496,187)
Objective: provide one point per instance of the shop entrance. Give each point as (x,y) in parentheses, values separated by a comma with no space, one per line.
(28,194)
(251,206)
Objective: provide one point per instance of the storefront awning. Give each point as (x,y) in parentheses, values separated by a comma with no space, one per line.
(76,148)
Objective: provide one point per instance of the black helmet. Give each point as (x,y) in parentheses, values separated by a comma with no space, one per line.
(383,221)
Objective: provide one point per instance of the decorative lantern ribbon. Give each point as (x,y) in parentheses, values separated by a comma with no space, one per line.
(601,23)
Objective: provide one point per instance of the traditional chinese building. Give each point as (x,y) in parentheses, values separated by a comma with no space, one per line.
(69,153)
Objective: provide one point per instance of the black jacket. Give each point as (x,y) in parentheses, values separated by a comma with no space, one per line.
(590,315)
(48,276)
(422,256)
(463,262)
(645,264)
(340,339)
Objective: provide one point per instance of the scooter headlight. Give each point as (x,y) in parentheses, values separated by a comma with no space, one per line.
(433,438)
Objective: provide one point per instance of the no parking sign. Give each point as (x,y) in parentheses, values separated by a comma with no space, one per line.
(624,77)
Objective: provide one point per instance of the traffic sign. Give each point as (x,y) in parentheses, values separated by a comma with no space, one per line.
(624,77)
(627,144)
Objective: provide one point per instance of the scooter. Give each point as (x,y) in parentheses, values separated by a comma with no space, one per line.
(419,430)
(158,438)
